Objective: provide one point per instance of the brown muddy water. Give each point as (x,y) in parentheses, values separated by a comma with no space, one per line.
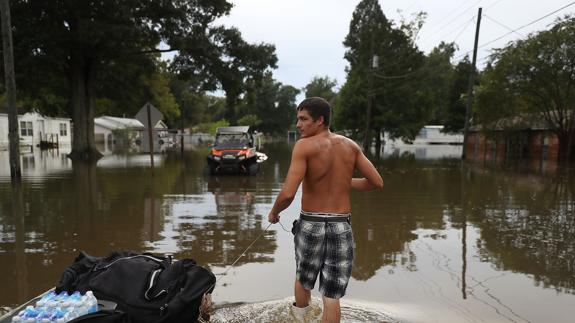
(442,242)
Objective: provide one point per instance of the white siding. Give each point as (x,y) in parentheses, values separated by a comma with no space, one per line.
(40,126)
(4,131)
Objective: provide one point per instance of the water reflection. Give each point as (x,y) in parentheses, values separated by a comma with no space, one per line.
(216,227)
(37,164)
(527,224)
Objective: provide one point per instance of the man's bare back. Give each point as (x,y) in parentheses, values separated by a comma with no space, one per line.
(325,163)
(331,161)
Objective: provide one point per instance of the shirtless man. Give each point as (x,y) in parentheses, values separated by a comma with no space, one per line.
(325,162)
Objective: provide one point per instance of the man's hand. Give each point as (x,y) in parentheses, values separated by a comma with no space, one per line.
(273,218)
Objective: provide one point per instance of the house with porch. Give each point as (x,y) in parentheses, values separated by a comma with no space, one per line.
(35,129)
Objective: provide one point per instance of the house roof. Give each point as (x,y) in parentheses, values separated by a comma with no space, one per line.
(38,115)
(523,122)
(115,123)
(434,127)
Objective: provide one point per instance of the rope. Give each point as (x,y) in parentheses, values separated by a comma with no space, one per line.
(248,248)
(244,252)
(204,315)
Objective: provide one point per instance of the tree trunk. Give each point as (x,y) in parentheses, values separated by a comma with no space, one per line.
(378,143)
(14,138)
(571,137)
(367,133)
(232,99)
(563,146)
(82,85)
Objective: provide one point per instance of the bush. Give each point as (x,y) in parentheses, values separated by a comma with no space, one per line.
(211,127)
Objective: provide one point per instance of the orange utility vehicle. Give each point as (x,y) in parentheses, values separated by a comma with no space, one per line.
(234,152)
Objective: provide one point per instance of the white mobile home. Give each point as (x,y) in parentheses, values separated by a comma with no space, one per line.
(114,132)
(34,128)
(433,135)
(429,135)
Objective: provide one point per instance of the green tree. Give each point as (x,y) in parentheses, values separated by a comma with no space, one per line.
(195,105)
(398,100)
(249,120)
(272,102)
(454,118)
(535,77)
(438,78)
(229,63)
(211,127)
(322,87)
(77,42)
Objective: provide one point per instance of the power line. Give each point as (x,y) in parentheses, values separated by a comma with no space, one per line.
(454,19)
(462,30)
(519,28)
(493,4)
(391,77)
(434,29)
(464,25)
(502,25)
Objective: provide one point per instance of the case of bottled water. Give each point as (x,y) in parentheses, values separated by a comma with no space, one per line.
(58,308)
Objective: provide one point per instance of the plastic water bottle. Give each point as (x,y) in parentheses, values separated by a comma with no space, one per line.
(71,305)
(58,300)
(29,314)
(59,315)
(47,297)
(92,302)
(62,297)
(44,315)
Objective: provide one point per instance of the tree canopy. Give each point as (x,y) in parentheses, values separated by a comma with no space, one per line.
(398,105)
(83,52)
(323,87)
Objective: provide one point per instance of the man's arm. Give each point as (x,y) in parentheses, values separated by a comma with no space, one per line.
(372,180)
(294,177)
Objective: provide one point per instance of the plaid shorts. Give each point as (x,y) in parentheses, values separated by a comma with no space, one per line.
(325,249)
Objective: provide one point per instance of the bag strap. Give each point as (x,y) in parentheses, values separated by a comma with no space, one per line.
(158,260)
(153,279)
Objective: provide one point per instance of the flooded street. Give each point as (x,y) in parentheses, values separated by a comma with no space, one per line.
(442,242)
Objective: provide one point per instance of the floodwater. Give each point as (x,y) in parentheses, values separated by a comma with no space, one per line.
(442,242)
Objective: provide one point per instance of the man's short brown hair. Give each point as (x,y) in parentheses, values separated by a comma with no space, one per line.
(317,107)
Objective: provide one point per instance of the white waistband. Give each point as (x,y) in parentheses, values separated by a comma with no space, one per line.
(326,214)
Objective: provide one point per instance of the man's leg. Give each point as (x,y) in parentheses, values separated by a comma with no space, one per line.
(302,295)
(331,310)
(300,308)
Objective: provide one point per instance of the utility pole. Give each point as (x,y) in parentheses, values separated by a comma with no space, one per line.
(470,88)
(14,138)
(367,136)
(182,131)
(151,137)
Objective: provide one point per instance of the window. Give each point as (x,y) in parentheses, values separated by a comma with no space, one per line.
(26,129)
(63,130)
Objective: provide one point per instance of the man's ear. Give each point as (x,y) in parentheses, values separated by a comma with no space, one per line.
(321,119)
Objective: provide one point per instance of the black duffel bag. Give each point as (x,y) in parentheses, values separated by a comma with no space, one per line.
(147,288)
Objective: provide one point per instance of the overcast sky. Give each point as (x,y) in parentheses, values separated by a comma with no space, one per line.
(308,34)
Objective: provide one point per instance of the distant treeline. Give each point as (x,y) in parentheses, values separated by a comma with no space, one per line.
(88,58)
